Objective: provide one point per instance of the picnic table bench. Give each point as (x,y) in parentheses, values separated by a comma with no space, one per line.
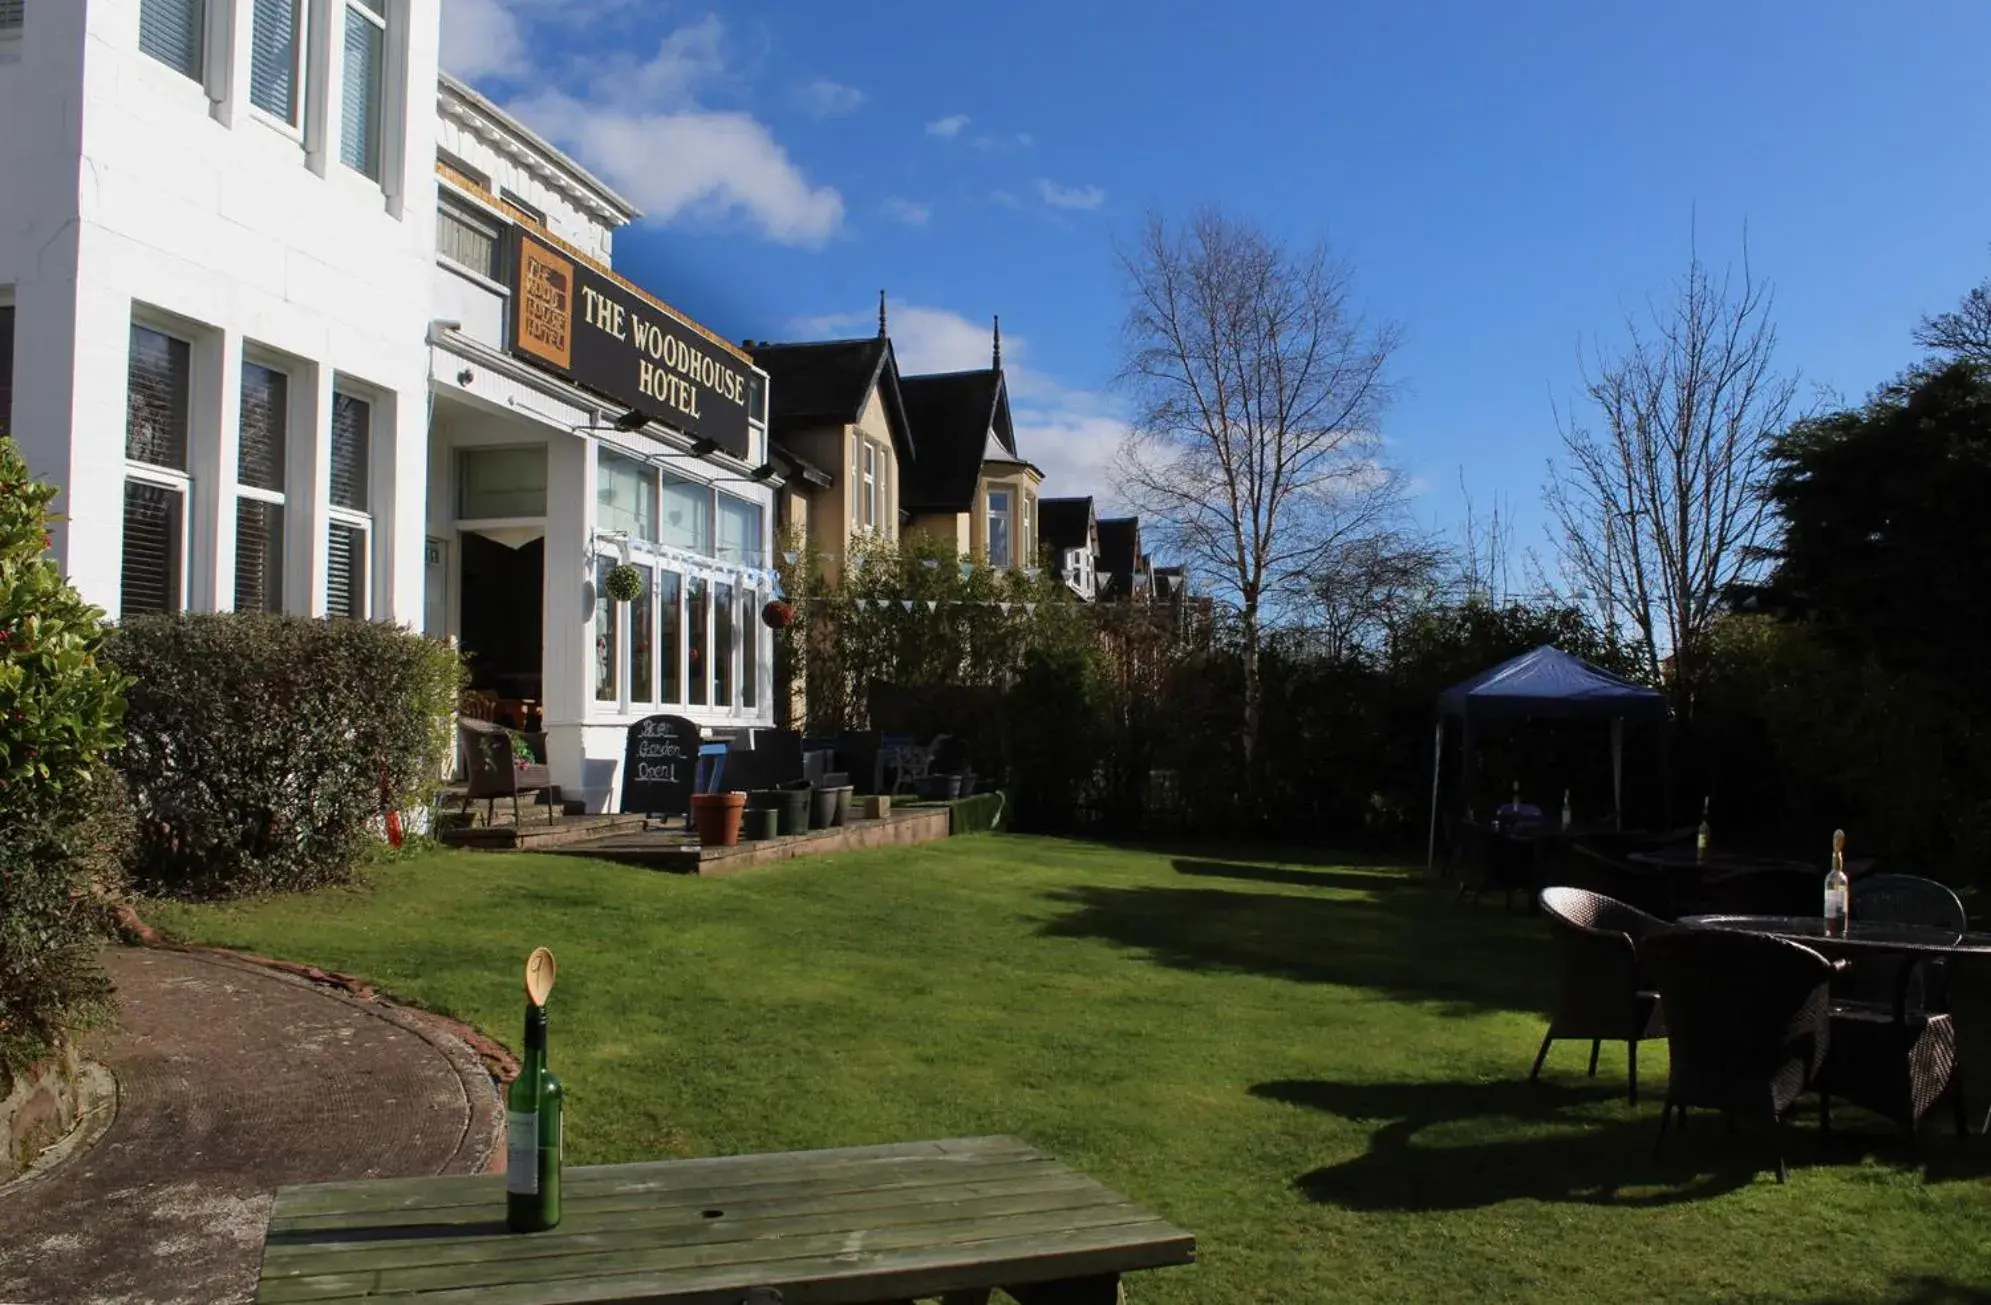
(955,1219)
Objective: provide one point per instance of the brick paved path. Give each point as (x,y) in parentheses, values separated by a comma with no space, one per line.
(232,1080)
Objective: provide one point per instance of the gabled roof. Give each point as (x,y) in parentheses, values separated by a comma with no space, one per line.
(1120,553)
(951,415)
(1170,582)
(827,383)
(1065,522)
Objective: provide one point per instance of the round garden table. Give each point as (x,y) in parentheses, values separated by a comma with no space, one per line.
(1860,935)
(1917,942)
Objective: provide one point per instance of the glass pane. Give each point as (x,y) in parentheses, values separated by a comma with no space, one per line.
(171,32)
(273,34)
(265,394)
(750,649)
(12,12)
(697,616)
(687,514)
(151,573)
(739,531)
(352,441)
(722,646)
(155,425)
(466,242)
(258,556)
(605,634)
(503,483)
(626,496)
(998,527)
(359,122)
(671,642)
(642,642)
(345,580)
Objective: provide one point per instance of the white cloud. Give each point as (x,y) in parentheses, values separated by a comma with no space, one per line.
(991,142)
(481,38)
(948,127)
(824,98)
(909,211)
(644,122)
(694,164)
(1071,434)
(1079,197)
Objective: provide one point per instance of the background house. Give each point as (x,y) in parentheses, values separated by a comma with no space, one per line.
(1068,541)
(971,487)
(837,412)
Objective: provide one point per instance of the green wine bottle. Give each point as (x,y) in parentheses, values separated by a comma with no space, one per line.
(533,1135)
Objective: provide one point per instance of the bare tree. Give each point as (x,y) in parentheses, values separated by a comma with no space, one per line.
(1254,445)
(1483,551)
(1964,333)
(1659,510)
(1364,590)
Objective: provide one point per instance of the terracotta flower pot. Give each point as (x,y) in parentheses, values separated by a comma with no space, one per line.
(716,817)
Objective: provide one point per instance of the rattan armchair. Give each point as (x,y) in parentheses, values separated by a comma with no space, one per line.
(1894,1042)
(1748,1023)
(493,768)
(1603,994)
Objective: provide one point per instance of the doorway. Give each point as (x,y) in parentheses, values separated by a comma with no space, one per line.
(503,616)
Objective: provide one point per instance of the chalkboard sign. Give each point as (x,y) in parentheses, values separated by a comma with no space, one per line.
(659,765)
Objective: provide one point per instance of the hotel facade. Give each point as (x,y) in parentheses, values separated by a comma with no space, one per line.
(299,324)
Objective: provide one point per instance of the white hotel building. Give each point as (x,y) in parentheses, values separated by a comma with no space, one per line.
(299,324)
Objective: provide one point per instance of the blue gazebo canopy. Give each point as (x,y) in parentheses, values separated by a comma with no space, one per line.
(1548,682)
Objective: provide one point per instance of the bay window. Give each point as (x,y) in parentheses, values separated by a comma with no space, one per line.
(626,497)
(687,514)
(750,604)
(723,613)
(670,643)
(998,528)
(153,570)
(870,485)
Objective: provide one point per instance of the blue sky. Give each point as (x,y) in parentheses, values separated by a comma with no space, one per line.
(1507,180)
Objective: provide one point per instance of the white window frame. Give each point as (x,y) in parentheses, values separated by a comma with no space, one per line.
(988,525)
(279,499)
(382,120)
(362,520)
(870,485)
(299,66)
(180,480)
(181,483)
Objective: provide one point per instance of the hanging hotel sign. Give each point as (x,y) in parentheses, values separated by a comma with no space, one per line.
(571,319)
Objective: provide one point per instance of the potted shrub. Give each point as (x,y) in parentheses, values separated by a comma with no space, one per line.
(716,817)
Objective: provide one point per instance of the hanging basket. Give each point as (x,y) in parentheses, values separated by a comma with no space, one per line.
(778,615)
(624,583)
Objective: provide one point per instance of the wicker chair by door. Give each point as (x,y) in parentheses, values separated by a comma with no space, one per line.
(1748,1023)
(493,768)
(1603,994)
(1894,1042)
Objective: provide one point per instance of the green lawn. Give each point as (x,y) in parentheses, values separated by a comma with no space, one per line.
(1317,1068)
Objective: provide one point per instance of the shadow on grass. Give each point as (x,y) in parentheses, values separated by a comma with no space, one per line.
(1923,1290)
(1544,1142)
(1401,937)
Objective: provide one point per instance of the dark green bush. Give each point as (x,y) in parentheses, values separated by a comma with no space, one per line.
(256,744)
(1054,721)
(59,713)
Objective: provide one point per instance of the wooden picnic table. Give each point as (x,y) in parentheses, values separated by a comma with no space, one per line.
(954,1219)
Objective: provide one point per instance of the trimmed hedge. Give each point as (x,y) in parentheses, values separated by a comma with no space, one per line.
(59,711)
(256,744)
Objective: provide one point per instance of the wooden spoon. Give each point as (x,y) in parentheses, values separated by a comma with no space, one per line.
(539,974)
